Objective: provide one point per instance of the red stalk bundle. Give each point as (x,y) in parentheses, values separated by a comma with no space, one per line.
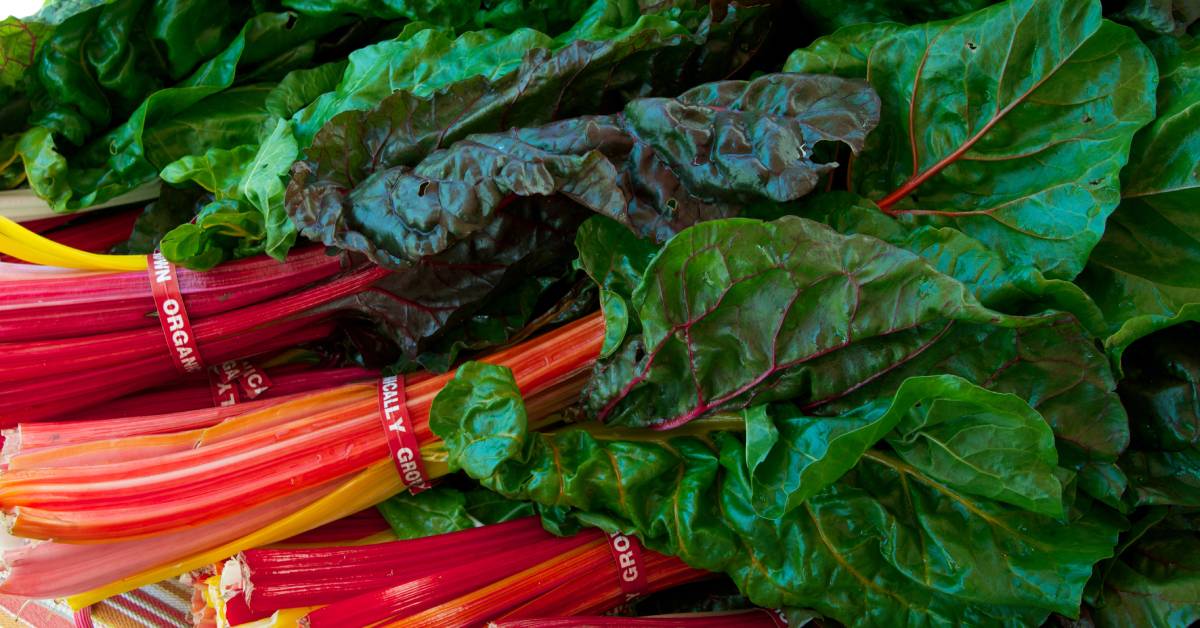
(125,488)
(515,569)
(360,525)
(63,303)
(195,393)
(582,579)
(749,618)
(69,373)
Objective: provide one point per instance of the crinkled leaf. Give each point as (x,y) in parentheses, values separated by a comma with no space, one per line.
(484,398)
(122,158)
(1165,17)
(1141,273)
(1011,125)
(413,305)
(407,65)
(974,440)
(885,545)
(548,84)
(742,141)
(441,12)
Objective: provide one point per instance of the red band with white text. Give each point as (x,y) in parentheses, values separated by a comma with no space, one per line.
(250,379)
(630,573)
(168,304)
(401,436)
(777,617)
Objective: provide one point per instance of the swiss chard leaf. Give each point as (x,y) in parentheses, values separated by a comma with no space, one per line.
(857,551)
(439,510)
(444,509)
(743,140)
(836,348)
(124,157)
(1010,124)
(733,312)
(994,282)
(843,52)
(1141,271)
(977,441)
(615,259)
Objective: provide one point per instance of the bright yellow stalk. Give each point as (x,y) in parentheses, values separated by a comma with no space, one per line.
(24,244)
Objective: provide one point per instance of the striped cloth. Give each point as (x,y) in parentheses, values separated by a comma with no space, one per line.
(167,604)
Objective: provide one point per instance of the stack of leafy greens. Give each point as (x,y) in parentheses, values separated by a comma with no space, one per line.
(901,298)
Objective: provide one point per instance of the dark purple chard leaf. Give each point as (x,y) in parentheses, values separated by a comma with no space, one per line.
(414,305)
(404,127)
(1164,17)
(658,167)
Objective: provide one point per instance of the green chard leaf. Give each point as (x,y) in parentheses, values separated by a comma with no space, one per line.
(743,141)
(841,53)
(977,441)
(1011,125)
(615,259)
(444,509)
(993,281)
(439,510)
(736,313)
(163,128)
(1141,272)
(857,551)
